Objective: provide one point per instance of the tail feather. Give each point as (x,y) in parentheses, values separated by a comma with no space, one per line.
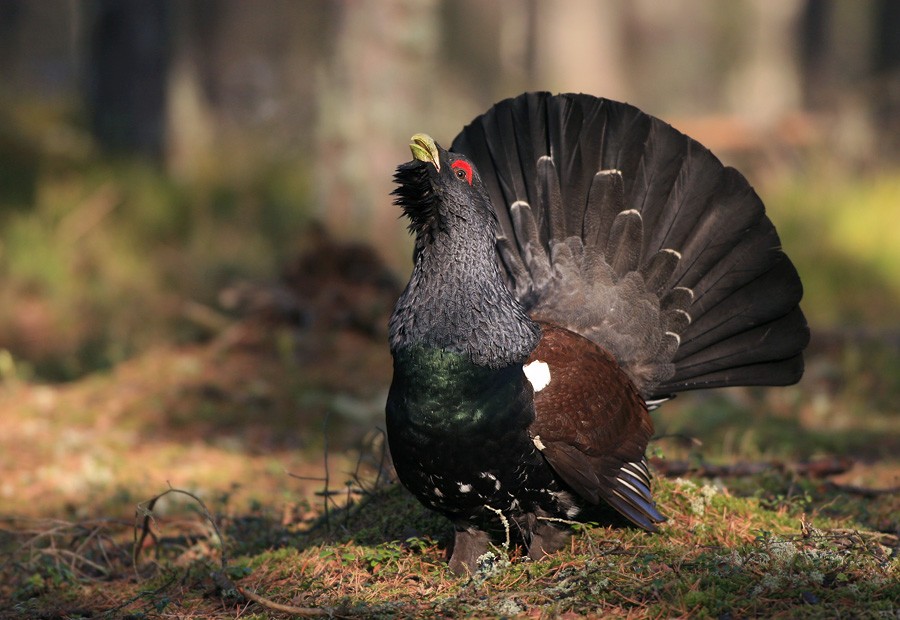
(617,226)
(623,250)
(606,199)
(681,195)
(770,372)
(511,140)
(549,194)
(659,269)
(656,182)
(774,345)
(531,250)
(764,300)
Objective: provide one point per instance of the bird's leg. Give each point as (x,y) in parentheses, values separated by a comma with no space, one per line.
(468,546)
(545,538)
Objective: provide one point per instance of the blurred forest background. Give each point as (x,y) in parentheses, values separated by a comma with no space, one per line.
(199,255)
(155,155)
(214,175)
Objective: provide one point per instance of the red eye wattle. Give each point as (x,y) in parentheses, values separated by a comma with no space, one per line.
(462,170)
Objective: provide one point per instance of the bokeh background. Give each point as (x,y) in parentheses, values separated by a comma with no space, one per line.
(199,255)
(198,248)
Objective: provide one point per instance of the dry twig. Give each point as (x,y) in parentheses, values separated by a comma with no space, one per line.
(817,468)
(220,577)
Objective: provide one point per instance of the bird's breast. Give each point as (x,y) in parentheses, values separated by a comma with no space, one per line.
(458,435)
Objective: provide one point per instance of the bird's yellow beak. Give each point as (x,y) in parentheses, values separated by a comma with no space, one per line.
(424,149)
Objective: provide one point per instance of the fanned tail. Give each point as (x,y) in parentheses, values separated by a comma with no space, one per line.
(615,225)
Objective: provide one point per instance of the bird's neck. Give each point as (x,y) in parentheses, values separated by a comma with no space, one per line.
(457,301)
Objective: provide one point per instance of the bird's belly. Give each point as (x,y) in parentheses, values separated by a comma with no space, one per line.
(459,439)
(486,481)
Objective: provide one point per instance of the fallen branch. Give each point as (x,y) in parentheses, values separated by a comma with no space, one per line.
(225,583)
(818,468)
(863,491)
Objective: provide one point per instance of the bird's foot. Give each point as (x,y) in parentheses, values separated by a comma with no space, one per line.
(468,546)
(545,538)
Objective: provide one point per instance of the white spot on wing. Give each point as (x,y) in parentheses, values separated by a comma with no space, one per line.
(538,374)
(437,492)
(538,443)
(464,488)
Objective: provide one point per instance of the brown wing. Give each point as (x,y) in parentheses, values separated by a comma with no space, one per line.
(591,424)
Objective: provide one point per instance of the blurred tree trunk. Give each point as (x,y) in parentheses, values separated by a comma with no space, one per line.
(765,84)
(886,66)
(376,90)
(851,75)
(10,12)
(127,75)
(580,47)
(815,51)
(190,123)
(887,37)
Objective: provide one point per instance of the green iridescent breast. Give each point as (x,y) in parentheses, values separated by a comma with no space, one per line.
(435,391)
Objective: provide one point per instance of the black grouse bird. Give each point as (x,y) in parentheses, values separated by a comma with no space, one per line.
(576,263)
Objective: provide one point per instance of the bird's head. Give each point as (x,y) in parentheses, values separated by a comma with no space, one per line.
(438,188)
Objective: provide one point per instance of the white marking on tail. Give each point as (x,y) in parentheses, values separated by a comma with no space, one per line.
(684,288)
(689,319)
(677,337)
(538,374)
(675,252)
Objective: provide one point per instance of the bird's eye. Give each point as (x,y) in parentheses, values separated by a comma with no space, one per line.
(462,170)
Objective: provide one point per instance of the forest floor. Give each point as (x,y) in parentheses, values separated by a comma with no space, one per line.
(264,447)
(245,476)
